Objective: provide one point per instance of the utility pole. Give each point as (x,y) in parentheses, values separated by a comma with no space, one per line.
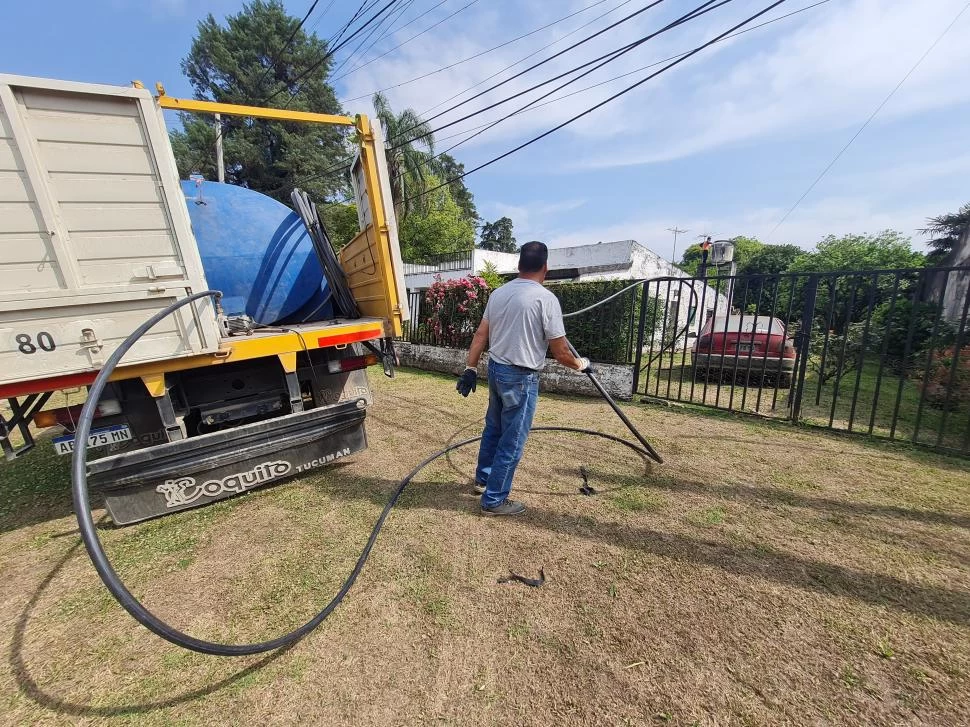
(220,165)
(676,231)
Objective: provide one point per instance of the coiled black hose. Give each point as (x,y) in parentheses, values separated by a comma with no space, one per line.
(95,549)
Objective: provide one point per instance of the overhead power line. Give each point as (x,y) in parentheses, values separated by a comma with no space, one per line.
(392,31)
(286,45)
(533,106)
(541,63)
(364,6)
(869,120)
(389,19)
(610,57)
(320,61)
(534,53)
(477,55)
(702,9)
(602,60)
(322,15)
(346,163)
(417,35)
(591,109)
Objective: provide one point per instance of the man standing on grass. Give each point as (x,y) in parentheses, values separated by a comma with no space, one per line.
(522,319)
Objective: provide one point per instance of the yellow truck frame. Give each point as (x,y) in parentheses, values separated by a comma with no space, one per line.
(374,272)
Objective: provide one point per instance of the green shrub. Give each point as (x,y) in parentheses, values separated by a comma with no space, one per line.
(607,334)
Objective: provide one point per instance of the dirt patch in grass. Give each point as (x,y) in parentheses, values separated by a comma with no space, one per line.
(761,576)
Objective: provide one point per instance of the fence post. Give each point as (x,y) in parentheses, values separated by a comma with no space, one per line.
(808,321)
(642,324)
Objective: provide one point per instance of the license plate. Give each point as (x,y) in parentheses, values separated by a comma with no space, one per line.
(97,438)
(745,347)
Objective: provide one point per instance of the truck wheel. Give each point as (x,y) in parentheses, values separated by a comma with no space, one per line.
(784,381)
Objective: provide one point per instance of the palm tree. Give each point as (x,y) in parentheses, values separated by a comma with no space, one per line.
(410,154)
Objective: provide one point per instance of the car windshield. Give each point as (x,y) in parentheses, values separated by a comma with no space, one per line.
(746,324)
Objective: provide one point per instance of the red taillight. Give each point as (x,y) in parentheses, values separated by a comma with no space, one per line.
(352,364)
(704,343)
(67,416)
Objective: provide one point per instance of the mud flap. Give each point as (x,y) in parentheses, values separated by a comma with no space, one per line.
(175,476)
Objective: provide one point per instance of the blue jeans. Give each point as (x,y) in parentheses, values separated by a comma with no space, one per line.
(512,396)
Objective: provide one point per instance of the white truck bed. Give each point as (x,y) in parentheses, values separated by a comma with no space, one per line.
(94,233)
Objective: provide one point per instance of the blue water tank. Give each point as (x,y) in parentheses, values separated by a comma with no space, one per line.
(258,253)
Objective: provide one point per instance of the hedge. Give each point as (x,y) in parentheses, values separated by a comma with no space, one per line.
(606,334)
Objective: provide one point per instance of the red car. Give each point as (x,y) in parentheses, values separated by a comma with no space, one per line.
(751,345)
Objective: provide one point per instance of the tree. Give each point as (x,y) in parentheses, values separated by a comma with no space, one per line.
(771,260)
(947,230)
(410,148)
(438,229)
(498,236)
(447,167)
(744,249)
(341,223)
(843,300)
(244,62)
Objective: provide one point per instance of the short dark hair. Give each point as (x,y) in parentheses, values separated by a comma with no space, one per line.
(533,256)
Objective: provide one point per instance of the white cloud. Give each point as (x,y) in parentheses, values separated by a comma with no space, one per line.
(532,221)
(828,74)
(808,225)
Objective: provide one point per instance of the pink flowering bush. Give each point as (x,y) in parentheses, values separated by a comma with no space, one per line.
(455,308)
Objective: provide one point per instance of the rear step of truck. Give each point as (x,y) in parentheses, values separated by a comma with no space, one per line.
(175,476)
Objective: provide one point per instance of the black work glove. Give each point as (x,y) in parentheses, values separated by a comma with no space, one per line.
(467,382)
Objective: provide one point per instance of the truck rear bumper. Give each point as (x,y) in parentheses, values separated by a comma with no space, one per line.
(175,476)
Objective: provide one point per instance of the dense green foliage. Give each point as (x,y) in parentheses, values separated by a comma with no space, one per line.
(606,333)
(946,231)
(771,260)
(243,62)
(341,223)
(489,273)
(498,236)
(440,227)
(447,167)
(452,309)
(745,248)
(889,249)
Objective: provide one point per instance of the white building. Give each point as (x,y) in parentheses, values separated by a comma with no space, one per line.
(620,260)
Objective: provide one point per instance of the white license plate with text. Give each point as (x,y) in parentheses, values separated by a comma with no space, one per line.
(97,438)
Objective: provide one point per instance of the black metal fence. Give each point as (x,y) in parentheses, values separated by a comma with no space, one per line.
(606,334)
(451,261)
(885,353)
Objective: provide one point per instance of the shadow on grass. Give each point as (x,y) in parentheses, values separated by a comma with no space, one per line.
(35,488)
(34,691)
(775,495)
(784,568)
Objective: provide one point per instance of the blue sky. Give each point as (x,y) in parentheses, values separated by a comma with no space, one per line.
(723,144)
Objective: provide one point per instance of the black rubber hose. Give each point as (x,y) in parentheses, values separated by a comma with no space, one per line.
(651,452)
(89,534)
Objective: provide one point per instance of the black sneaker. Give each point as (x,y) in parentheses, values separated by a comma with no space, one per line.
(509,507)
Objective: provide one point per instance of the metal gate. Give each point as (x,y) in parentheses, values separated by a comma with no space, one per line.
(884,353)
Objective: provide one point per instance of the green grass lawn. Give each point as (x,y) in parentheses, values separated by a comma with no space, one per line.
(794,578)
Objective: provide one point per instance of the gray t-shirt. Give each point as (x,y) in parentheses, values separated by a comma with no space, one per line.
(522,318)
